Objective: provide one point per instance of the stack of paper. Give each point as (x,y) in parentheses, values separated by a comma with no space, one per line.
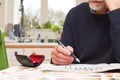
(81,67)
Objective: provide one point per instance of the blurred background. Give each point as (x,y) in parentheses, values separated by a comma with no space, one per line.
(33,26)
(34,20)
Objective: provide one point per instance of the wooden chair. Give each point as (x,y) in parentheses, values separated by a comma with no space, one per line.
(3,55)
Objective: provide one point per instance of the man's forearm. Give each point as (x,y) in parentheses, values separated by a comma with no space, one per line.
(115,32)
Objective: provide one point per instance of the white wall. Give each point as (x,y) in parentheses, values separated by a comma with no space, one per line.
(44,11)
(16,12)
(9,12)
(10,8)
(2,14)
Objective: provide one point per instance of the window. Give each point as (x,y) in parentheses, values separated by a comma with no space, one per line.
(57,10)
(62,5)
(33,5)
(32,13)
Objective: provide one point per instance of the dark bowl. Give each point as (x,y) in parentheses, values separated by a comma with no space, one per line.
(32,61)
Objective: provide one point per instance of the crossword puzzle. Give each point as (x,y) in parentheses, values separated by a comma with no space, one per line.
(84,67)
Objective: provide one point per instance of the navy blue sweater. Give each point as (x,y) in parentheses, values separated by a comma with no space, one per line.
(94,37)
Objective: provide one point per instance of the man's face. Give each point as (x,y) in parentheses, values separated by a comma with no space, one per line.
(97,5)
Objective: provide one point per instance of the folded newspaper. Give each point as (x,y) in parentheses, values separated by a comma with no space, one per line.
(82,67)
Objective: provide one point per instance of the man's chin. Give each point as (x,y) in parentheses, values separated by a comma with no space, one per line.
(96,8)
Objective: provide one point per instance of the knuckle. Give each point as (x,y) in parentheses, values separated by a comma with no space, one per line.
(60,55)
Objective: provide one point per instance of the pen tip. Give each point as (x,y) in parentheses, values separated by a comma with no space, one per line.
(78,60)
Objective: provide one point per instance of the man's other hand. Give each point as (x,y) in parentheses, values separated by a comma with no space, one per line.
(112,4)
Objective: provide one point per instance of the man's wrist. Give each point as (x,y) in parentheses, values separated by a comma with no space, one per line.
(114,8)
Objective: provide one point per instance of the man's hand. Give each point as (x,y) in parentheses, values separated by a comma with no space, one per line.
(62,56)
(112,4)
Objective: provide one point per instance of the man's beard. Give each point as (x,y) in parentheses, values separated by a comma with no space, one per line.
(97,8)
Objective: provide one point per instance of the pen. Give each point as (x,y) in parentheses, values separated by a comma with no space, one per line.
(61,44)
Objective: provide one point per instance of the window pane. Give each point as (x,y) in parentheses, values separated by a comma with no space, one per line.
(31,13)
(58,10)
(34,5)
(63,5)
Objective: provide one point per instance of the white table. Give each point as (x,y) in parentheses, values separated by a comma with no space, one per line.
(40,73)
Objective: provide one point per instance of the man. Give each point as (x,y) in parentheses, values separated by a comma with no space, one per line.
(92,32)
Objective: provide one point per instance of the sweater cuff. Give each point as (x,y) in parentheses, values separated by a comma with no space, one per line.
(114,13)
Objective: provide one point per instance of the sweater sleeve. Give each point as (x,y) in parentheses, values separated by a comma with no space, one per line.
(66,37)
(115,32)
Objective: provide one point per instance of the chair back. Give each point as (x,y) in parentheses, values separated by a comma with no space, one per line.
(3,55)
